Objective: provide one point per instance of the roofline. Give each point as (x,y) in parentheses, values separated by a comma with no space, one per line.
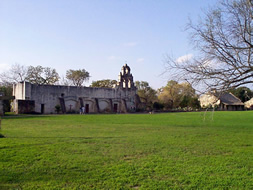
(233,104)
(235,96)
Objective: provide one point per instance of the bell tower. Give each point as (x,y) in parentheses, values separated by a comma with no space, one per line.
(125,79)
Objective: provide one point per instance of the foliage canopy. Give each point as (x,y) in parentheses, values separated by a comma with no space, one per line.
(106,83)
(146,94)
(42,75)
(77,77)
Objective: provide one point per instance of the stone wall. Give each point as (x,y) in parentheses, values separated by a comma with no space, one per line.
(25,106)
(71,98)
(46,97)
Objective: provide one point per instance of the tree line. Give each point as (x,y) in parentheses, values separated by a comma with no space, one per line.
(223,40)
(177,96)
(38,75)
(173,95)
(42,76)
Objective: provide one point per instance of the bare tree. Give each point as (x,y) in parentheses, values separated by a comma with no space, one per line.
(64,81)
(224,40)
(15,74)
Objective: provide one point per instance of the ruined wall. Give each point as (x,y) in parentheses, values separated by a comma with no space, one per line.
(25,106)
(18,90)
(71,98)
(46,97)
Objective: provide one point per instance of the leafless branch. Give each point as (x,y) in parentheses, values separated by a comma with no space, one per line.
(224,41)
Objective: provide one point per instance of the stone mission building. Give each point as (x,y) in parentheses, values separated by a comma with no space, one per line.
(43,99)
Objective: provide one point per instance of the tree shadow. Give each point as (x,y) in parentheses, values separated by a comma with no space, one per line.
(26,116)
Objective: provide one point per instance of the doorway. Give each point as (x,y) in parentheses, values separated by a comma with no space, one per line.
(86,108)
(115,108)
(42,108)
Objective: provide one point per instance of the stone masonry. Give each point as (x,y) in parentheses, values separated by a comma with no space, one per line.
(44,98)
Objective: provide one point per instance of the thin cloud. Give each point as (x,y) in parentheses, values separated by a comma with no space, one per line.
(184,58)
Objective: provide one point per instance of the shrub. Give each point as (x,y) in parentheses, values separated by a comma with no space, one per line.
(57,109)
(158,106)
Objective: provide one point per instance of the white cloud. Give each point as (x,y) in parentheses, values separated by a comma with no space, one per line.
(184,58)
(130,44)
(212,64)
(140,60)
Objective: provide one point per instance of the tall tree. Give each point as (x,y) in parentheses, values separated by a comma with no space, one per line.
(243,93)
(16,73)
(170,94)
(107,83)
(174,93)
(42,75)
(224,40)
(77,77)
(146,93)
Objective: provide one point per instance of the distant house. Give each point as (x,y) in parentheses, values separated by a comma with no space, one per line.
(225,101)
(249,104)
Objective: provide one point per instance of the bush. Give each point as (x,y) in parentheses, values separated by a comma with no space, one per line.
(158,106)
(192,102)
(57,109)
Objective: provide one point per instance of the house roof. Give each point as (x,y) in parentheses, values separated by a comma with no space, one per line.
(230,99)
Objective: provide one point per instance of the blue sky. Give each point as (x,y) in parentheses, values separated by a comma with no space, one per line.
(97,35)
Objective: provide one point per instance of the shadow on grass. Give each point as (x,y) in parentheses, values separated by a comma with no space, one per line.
(26,116)
(65,137)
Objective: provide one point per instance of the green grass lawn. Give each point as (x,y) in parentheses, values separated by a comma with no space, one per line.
(128,151)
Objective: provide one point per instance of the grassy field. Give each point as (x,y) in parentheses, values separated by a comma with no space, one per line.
(128,151)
